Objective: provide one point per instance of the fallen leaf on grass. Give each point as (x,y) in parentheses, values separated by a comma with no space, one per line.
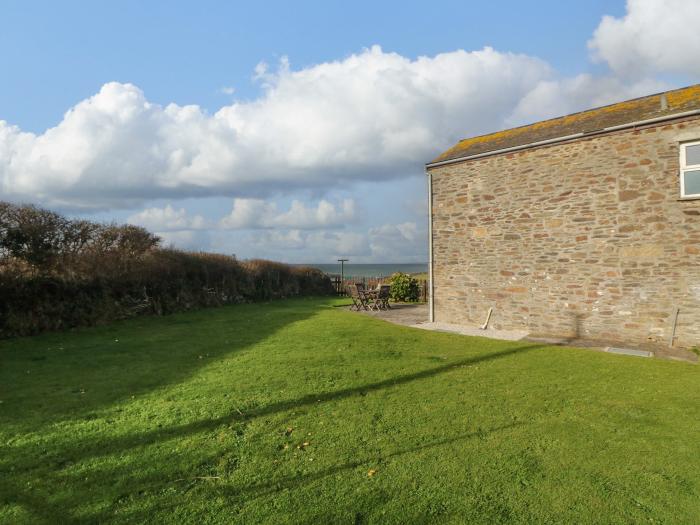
(303,445)
(371,472)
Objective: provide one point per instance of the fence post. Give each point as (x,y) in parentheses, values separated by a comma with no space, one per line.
(338,285)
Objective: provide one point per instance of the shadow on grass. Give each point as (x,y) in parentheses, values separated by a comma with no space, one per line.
(37,507)
(312,399)
(85,450)
(76,374)
(263,489)
(102,447)
(249,493)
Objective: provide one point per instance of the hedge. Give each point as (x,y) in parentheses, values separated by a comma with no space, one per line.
(50,281)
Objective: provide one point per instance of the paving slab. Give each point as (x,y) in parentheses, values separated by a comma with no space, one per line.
(505,335)
(405,314)
(629,351)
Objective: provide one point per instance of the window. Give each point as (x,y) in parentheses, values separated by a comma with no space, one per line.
(690,170)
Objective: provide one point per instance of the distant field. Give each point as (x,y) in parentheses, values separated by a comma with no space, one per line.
(298,412)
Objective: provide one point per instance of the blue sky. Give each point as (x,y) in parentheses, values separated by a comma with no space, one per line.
(184,52)
(177,125)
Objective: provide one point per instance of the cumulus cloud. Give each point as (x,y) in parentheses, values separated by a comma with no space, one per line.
(372,116)
(258,213)
(653,36)
(194,240)
(167,219)
(175,227)
(404,242)
(320,244)
(299,227)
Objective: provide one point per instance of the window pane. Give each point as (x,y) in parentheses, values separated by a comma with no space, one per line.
(692,155)
(692,182)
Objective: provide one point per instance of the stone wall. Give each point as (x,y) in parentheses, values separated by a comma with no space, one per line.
(584,239)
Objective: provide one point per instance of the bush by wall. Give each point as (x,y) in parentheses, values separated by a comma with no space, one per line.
(56,273)
(404,287)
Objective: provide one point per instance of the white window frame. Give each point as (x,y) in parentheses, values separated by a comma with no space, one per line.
(685,167)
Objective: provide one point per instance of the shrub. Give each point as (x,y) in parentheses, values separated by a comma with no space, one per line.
(34,235)
(404,287)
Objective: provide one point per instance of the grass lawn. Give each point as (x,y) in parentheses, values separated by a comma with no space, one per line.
(298,412)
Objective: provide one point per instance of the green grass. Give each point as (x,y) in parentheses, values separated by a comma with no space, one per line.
(202,418)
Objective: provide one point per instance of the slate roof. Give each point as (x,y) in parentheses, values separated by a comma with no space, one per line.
(589,121)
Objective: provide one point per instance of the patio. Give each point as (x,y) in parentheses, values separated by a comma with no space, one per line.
(417,316)
(404,314)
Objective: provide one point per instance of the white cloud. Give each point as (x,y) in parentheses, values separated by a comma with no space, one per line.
(281,240)
(338,243)
(258,213)
(321,245)
(289,229)
(167,219)
(371,116)
(404,242)
(193,240)
(249,213)
(653,36)
(175,227)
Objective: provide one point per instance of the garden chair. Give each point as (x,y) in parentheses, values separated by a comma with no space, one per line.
(365,295)
(359,300)
(380,298)
(383,296)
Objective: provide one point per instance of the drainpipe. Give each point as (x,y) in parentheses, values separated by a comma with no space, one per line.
(430,247)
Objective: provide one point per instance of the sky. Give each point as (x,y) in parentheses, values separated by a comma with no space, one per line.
(299,131)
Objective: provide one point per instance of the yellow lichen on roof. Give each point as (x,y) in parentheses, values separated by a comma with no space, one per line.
(684,96)
(585,121)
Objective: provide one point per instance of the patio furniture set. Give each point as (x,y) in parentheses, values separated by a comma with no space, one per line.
(369,299)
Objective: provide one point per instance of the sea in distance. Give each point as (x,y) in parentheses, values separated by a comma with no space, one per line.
(371,270)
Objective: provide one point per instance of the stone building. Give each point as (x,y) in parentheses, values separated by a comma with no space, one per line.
(584,226)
